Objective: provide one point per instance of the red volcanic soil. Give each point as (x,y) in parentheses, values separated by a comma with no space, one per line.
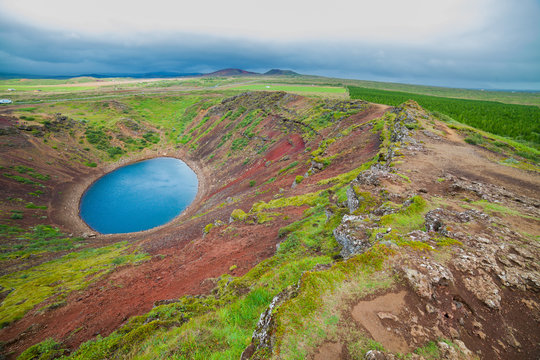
(284,147)
(183,260)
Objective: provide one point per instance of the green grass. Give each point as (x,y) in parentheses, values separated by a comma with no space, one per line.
(45,88)
(493,208)
(314,316)
(58,278)
(408,218)
(32,172)
(306,199)
(39,239)
(22,179)
(293,88)
(46,350)
(519,122)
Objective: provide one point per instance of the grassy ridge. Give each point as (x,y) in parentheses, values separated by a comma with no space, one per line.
(292,88)
(520,122)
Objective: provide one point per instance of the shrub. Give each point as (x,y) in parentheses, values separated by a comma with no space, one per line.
(239,214)
(207,228)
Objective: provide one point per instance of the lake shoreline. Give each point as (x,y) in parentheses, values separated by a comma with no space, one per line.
(65,205)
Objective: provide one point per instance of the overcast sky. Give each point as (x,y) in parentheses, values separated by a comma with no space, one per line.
(461,43)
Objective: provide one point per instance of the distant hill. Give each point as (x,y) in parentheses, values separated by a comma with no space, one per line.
(280,72)
(163,74)
(231,72)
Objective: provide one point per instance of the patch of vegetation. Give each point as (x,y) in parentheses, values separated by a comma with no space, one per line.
(238,214)
(239,144)
(430,351)
(22,180)
(474,139)
(31,205)
(46,350)
(492,208)
(32,172)
(151,137)
(40,239)
(409,217)
(58,277)
(315,198)
(208,228)
(16,215)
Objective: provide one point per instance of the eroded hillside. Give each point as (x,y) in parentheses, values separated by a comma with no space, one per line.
(357,231)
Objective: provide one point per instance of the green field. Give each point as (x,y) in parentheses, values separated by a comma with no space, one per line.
(293,88)
(520,122)
(46,88)
(41,82)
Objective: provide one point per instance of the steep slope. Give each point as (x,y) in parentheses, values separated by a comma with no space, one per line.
(244,139)
(356,230)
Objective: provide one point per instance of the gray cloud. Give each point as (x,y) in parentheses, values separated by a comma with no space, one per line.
(503,58)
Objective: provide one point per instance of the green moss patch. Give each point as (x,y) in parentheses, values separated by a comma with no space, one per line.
(58,278)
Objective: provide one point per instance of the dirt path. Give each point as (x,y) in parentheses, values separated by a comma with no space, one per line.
(370,314)
(452,155)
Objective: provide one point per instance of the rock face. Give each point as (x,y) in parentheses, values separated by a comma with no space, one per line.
(353,235)
(352,200)
(263,338)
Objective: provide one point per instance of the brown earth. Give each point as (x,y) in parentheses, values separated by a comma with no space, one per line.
(443,168)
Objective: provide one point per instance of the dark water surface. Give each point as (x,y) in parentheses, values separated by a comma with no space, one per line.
(139,196)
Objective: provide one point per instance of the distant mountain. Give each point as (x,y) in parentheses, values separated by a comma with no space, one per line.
(162,74)
(157,74)
(231,72)
(280,72)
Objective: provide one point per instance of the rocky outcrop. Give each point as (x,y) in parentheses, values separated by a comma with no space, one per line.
(490,192)
(436,219)
(353,235)
(484,288)
(375,174)
(352,199)
(455,351)
(263,339)
(426,277)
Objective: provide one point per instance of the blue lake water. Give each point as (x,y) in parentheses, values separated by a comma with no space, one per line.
(139,196)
